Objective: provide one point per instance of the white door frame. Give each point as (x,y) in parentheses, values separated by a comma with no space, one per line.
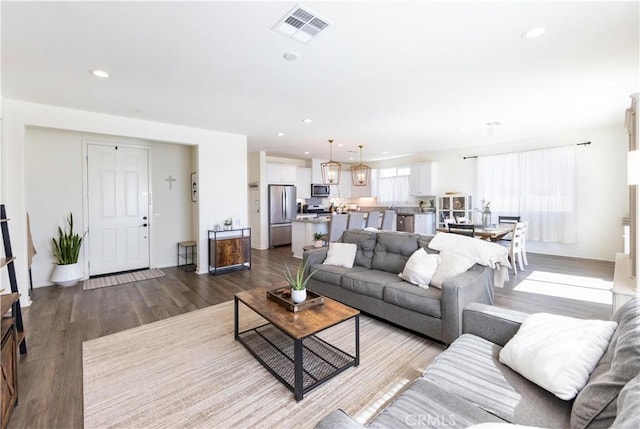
(85,195)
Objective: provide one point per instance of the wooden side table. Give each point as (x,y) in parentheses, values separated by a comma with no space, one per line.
(187,254)
(229,250)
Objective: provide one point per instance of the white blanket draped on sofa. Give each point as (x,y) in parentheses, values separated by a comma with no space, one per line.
(482,252)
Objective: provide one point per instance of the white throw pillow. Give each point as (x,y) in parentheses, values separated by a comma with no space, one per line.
(451,264)
(341,254)
(420,268)
(558,353)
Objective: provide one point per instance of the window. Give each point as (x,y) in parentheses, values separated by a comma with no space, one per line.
(391,185)
(539,186)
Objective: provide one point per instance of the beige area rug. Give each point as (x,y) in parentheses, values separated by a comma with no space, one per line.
(189,372)
(119,279)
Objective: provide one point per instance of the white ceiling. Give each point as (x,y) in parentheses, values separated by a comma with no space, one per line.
(401,77)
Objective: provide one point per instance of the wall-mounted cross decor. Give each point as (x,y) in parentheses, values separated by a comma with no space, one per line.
(170,179)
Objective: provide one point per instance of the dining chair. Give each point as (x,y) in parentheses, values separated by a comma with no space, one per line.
(337,225)
(467,229)
(508,219)
(373,220)
(525,227)
(389,221)
(516,246)
(356,220)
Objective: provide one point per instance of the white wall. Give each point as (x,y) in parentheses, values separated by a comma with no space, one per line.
(257,173)
(222,186)
(50,196)
(601,176)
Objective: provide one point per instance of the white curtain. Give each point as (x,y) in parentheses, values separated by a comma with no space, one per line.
(391,190)
(539,186)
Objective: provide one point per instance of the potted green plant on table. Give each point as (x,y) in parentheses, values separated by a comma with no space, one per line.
(66,251)
(317,237)
(298,282)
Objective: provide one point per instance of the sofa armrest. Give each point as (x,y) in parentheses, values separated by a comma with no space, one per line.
(495,324)
(474,285)
(338,420)
(314,256)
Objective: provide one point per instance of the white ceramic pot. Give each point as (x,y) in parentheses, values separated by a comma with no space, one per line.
(298,296)
(67,275)
(318,243)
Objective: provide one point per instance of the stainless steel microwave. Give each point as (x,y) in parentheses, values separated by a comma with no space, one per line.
(320,190)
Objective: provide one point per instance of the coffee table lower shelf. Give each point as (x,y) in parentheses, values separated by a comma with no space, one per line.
(276,351)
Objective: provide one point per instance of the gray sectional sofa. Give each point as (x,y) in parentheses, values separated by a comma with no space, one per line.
(373,286)
(467,385)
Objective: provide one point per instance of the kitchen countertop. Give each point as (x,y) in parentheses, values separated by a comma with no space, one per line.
(323,219)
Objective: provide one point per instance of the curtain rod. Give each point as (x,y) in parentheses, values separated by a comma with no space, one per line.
(585,144)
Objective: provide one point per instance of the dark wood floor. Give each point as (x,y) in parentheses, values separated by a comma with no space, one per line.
(60,319)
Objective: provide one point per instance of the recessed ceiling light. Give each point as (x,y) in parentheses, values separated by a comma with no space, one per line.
(532,33)
(306,121)
(290,56)
(280,134)
(99,73)
(385,153)
(351,158)
(307,153)
(340,145)
(493,124)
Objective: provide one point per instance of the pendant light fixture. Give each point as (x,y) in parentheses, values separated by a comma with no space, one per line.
(331,169)
(361,173)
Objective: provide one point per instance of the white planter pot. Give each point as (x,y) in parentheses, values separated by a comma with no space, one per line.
(298,296)
(67,275)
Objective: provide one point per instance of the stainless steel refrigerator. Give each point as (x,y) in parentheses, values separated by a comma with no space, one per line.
(282,209)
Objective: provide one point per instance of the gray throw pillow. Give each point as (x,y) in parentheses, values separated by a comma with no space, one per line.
(595,406)
(366,243)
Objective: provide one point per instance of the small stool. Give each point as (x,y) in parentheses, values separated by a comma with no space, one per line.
(187,253)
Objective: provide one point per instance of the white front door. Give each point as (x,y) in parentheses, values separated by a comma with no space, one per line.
(118,186)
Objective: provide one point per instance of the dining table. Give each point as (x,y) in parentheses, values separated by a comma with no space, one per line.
(490,233)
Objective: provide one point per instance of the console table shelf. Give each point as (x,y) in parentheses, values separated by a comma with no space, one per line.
(229,250)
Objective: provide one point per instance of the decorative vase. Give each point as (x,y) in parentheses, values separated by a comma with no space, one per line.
(486,219)
(67,275)
(298,296)
(318,243)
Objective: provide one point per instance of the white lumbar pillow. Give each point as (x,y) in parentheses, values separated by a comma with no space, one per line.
(341,254)
(451,264)
(558,353)
(420,268)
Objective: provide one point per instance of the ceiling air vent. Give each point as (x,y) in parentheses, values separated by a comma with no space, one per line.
(301,24)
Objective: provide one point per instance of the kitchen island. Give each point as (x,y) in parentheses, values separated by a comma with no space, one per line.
(302,231)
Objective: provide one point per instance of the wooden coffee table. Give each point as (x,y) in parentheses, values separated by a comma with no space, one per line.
(288,347)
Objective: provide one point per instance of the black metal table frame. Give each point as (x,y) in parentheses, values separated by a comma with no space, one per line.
(298,388)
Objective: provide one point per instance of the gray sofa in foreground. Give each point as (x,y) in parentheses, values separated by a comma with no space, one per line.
(372,285)
(467,385)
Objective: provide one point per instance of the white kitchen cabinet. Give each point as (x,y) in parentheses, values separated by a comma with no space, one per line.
(425,223)
(422,181)
(281,173)
(316,171)
(343,190)
(360,191)
(303,182)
